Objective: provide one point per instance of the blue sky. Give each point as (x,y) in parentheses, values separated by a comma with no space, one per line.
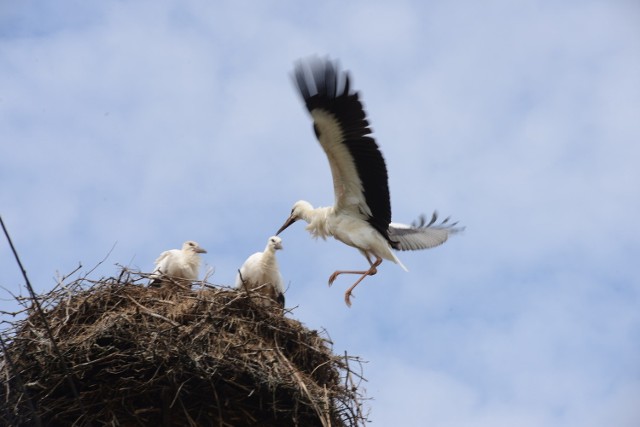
(146,123)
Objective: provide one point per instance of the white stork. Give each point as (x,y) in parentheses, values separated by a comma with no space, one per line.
(178,265)
(361,215)
(260,273)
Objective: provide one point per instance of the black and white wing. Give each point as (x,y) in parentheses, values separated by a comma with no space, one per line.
(359,172)
(279,291)
(422,234)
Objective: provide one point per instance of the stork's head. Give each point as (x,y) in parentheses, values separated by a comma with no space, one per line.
(191,246)
(275,243)
(300,210)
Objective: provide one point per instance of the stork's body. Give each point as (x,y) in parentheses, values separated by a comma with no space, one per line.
(180,266)
(361,215)
(352,230)
(260,273)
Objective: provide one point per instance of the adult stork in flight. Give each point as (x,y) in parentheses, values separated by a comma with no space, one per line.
(361,214)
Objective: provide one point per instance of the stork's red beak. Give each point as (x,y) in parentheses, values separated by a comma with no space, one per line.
(287,223)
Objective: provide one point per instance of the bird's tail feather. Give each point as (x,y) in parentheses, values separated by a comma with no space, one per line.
(397,261)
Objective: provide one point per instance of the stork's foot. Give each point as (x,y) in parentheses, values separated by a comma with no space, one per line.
(347,298)
(333,277)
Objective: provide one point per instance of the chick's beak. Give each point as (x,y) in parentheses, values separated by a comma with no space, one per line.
(287,223)
(200,250)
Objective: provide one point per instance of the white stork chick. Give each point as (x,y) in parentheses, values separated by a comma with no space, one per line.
(180,266)
(260,273)
(361,214)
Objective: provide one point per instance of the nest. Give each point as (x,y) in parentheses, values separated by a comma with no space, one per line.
(135,356)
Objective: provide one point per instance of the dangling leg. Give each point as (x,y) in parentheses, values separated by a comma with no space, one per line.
(370,272)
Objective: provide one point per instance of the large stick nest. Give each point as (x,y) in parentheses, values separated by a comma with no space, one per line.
(133,355)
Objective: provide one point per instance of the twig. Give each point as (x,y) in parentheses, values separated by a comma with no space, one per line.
(323,416)
(68,375)
(103,260)
(19,381)
(153,314)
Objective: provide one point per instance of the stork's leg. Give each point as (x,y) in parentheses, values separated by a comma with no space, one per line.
(364,273)
(370,272)
(335,274)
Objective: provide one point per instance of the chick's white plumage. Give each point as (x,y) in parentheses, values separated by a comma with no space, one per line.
(260,273)
(178,265)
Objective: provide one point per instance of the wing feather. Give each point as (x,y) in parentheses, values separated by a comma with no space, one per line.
(422,234)
(358,169)
(163,261)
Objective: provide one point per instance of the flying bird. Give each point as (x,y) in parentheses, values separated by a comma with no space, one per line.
(179,266)
(260,273)
(361,214)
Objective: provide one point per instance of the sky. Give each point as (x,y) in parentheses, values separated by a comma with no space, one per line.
(127,128)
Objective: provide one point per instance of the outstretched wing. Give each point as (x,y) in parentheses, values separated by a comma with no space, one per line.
(359,172)
(422,234)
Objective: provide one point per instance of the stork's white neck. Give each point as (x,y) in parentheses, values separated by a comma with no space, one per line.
(269,257)
(191,259)
(318,221)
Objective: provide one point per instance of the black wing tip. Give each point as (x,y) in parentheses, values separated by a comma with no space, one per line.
(320,76)
(421,222)
(155,283)
(280,300)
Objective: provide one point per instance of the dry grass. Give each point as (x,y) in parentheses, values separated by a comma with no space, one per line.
(174,357)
